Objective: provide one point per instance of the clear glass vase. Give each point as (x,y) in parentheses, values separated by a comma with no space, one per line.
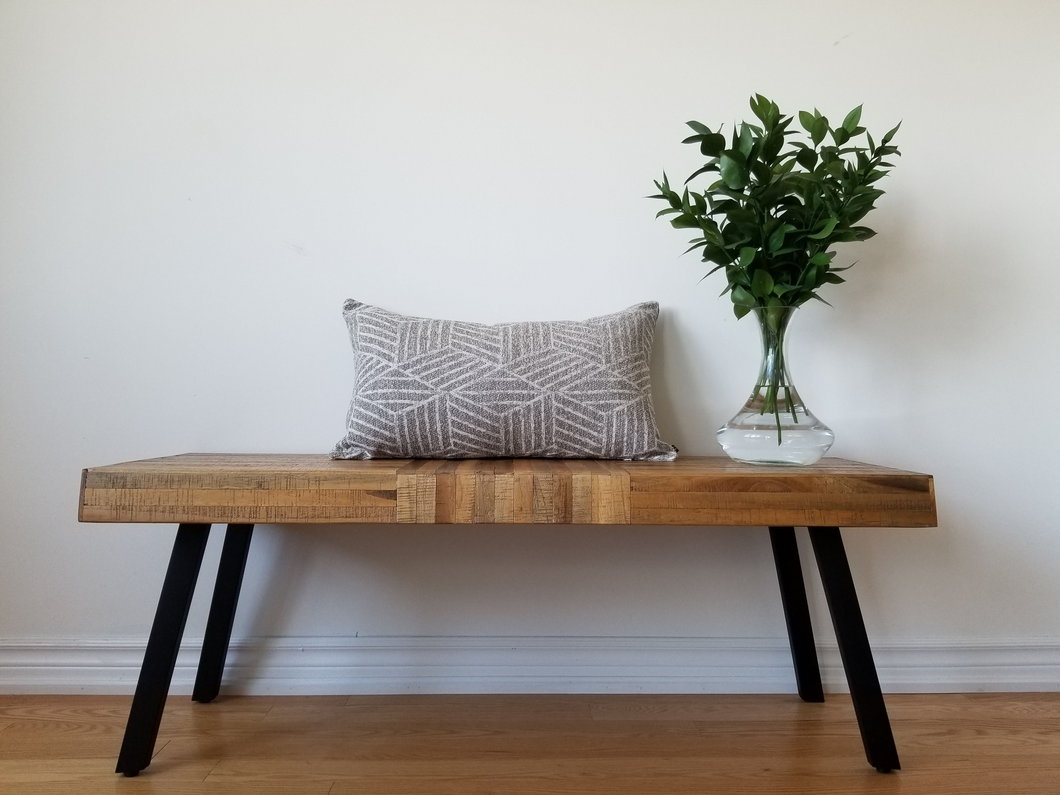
(774,426)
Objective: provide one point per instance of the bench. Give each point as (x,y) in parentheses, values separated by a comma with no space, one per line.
(196,491)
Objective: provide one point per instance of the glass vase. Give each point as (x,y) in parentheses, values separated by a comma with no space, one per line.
(774,426)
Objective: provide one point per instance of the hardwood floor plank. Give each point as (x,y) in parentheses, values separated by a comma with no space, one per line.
(469,707)
(977,706)
(765,782)
(770,708)
(63,708)
(387,742)
(114,710)
(53,740)
(501,769)
(147,784)
(89,771)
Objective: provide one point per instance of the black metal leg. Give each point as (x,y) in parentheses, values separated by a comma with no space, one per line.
(854,649)
(162,647)
(222,612)
(796,613)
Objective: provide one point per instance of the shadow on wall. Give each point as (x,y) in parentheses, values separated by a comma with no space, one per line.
(688,417)
(507,581)
(915,280)
(941,568)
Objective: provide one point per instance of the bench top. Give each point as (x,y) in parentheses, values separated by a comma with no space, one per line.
(313,489)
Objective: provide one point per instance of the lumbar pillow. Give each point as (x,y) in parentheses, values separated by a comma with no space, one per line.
(446,389)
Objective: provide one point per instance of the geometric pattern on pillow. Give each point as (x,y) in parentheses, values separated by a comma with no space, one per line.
(449,389)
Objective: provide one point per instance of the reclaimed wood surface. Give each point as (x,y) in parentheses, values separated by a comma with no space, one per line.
(302,489)
(957,744)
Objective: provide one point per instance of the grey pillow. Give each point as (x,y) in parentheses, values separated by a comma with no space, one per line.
(446,389)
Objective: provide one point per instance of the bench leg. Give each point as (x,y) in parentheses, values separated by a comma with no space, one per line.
(854,649)
(796,613)
(162,647)
(222,612)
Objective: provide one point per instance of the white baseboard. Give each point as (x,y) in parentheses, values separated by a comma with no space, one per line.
(345,665)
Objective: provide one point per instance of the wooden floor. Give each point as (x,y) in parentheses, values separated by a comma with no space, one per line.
(1001,744)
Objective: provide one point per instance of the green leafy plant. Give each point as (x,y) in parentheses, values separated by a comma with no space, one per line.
(772,214)
(777,205)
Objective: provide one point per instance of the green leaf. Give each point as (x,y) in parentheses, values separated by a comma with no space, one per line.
(780,289)
(825,230)
(746,142)
(733,171)
(836,168)
(740,310)
(858,214)
(816,297)
(776,240)
(834,278)
(712,144)
(684,221)
(762,283)
(715,253)
(807,158)
(774,143)
(852,119)
(747,255)
(760,108)
(887,138)
(702,129)
(820,259)
(762,172)
(742,215)
(711,166)
(737,277)
(742,297)
(819,131)
(807,121)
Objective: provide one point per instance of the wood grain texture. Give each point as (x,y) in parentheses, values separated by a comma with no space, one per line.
(970,744)
(303,489)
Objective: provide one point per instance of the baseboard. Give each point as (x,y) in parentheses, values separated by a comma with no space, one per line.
(349,665)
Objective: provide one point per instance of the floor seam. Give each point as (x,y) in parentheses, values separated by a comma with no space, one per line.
(212,768)
(158,748)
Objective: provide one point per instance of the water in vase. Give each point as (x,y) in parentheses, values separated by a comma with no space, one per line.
(774,426)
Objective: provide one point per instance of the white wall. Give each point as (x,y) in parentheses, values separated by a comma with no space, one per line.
(189,190)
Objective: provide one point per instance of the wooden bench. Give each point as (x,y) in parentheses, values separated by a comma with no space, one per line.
(198,490)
